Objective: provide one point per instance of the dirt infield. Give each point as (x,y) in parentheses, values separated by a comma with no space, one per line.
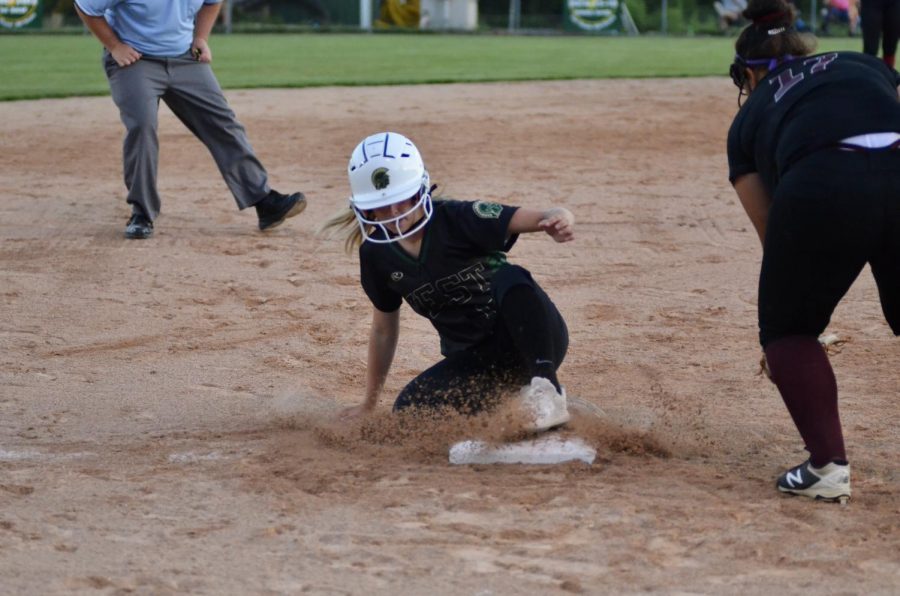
(167,410)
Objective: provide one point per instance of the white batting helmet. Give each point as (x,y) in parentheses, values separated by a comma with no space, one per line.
(384,169)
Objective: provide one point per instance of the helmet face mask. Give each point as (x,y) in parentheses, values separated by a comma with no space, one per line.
(389,226)
(386,169)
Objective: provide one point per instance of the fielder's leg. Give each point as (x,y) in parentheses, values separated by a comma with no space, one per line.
(803,278)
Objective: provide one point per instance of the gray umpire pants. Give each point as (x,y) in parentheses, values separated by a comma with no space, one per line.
(191,91)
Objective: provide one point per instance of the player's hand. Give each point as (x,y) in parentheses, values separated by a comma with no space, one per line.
(353,412)
(559,224)
(125,55)
(200,50)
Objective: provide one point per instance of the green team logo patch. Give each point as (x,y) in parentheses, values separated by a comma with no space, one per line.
(594,15)
(380,178)
(17,13)
(487,210)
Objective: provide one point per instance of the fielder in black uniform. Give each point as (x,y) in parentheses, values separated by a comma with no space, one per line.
(499,331)
(814,150)
(880,22)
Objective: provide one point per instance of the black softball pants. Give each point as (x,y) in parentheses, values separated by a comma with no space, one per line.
(833,212)
(880,17)
(528,328)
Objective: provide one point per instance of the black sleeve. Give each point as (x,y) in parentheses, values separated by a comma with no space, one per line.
(484,224)
(381,296)
(740,159)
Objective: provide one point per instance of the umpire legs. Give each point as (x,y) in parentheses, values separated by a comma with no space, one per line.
(190,89)
(195,97)
(136,90)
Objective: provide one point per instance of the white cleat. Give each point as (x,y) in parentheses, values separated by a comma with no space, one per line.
(545,407)
(831,482)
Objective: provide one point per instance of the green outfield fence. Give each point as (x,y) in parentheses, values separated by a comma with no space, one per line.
(672,17)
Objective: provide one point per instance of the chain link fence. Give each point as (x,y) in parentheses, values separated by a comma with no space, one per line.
(666,17)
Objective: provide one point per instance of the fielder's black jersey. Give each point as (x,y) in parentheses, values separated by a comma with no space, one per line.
(450,282)
(807,104)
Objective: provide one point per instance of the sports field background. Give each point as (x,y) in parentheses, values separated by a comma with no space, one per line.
(168,407)
(37,66)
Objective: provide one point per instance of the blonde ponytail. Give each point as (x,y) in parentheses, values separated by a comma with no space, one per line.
(343,223)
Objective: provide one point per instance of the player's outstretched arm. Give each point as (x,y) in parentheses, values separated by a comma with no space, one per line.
(382,345)
(557,222)
(755,200)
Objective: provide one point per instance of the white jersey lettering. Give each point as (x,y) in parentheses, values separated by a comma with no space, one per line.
(786,80)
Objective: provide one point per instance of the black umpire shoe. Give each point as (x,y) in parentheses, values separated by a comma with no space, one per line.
(139,227)
(276,207)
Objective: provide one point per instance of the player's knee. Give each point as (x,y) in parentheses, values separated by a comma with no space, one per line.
(772,333)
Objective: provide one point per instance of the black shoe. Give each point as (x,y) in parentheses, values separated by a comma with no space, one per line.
(276,208)
(139,227)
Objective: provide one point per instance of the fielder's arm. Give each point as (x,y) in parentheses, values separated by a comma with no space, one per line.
(122,53)
(382,346)
(203,24)
(558,222)
(756,201)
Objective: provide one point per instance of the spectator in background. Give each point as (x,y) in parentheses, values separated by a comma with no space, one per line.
(799,24)
(729,12)
(840,11)
(881,17)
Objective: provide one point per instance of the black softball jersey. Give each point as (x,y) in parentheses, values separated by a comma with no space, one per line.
(450,282)
(807,104)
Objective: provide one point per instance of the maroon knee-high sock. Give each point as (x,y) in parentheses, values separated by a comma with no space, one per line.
(803,375)
(889,60)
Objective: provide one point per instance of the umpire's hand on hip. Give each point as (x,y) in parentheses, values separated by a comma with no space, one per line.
(124,54)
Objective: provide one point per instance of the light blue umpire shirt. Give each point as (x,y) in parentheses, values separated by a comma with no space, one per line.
(152,27)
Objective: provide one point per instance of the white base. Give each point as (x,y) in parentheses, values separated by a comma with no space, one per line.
(544,450)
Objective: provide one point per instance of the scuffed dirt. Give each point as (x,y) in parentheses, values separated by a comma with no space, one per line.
(167,411)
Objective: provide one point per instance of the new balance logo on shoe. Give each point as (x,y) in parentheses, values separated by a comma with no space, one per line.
(831,482)
(793,478)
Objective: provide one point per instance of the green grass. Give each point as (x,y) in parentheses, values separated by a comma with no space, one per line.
(39,66)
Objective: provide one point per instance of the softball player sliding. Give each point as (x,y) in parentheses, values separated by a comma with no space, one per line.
(447,259)
(814,150)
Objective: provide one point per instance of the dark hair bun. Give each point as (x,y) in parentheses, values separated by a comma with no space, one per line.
(771,13)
